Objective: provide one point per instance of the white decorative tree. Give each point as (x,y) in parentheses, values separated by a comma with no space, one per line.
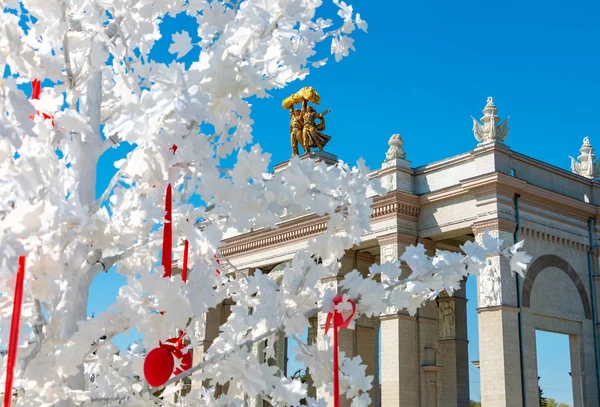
(102,89)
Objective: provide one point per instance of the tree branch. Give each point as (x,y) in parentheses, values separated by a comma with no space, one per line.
(110,142)
(68,68)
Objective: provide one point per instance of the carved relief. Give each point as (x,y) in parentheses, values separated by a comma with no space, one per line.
(389,253)
(490,288)
(388,182)
(446,320)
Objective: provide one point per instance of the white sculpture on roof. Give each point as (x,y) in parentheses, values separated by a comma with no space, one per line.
(584,164)
(489,130)
(395,151)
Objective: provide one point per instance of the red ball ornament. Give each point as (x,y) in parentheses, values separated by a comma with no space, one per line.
(158,366)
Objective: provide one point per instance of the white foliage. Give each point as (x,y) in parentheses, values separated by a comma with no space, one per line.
(181,45)
(108,91)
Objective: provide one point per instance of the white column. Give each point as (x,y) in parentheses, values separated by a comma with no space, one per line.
(498,314)
(400,365)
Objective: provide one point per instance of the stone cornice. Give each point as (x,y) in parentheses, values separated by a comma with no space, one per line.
(553,239)
(389,170)
(503,225)
(405,206)
(509,308)
(303,228)
(396,203)
(550,168)
(399,315)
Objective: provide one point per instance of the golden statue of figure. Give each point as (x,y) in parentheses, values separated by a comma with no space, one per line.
(303,126)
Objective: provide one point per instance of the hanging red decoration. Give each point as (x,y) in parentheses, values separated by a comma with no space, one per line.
(176,347)
(219,263)
(167,249)
(338,322)
(14,332)
(185,261)
(36,91)
(159,364)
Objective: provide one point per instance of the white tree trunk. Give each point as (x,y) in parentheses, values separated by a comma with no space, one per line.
(80,273)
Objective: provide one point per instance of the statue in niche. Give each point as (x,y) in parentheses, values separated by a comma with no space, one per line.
(490,292)
(446,321)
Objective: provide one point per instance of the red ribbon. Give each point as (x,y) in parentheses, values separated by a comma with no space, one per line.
(185,261)
(14,332)
(168,234)
(338,322)
(36,91)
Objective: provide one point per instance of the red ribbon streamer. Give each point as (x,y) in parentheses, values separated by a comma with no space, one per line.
(185,261)
(167,250)
(36,91)
(14,332)
(338,322)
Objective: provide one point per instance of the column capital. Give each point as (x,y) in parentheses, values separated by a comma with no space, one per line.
(500,224)
(397,238)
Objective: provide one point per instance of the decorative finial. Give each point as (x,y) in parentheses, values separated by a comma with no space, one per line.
(395,151)
(488,130)
(584,165)
(304,129)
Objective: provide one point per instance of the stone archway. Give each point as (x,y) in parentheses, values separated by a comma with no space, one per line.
(550,260)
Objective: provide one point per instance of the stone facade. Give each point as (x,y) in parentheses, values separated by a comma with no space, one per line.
(424,359)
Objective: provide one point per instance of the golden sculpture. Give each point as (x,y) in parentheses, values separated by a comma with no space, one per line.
(304,129)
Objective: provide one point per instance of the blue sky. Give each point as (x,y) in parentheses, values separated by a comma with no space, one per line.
(422,70)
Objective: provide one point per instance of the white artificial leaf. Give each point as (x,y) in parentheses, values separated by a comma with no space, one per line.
(72,121)
(181,45)
(362,24)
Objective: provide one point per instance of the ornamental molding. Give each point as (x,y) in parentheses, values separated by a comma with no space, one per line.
(397,239)
(396,203)
(553,239)
(509,308)
(295,230)
(500,224)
